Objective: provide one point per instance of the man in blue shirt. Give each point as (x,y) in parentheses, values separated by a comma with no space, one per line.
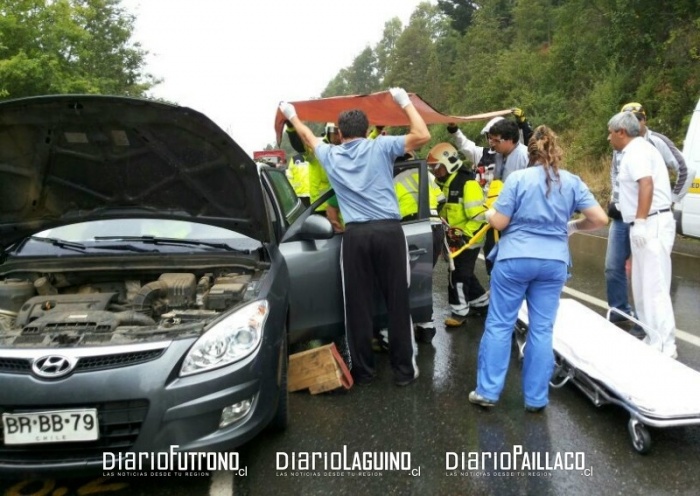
(374,246)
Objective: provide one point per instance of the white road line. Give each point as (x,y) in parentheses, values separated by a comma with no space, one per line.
(682,335)
(221,483)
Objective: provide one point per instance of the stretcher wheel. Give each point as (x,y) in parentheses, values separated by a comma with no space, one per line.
(641,439)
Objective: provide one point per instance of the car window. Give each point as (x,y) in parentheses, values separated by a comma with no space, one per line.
(286,197)
(421,179)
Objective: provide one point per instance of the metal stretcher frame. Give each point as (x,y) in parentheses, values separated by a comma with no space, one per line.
(600,394)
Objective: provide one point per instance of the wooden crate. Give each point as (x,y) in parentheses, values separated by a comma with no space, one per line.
(318,370)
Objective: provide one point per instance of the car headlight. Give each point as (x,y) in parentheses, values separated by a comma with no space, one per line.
(228,341)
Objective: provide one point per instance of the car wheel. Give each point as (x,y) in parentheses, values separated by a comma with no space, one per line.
(281,419)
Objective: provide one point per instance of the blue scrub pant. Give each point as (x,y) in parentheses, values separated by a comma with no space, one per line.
(512,280)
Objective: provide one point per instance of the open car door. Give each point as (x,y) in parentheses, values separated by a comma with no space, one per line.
(312,253)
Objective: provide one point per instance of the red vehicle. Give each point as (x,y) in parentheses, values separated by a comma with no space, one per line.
(276,158)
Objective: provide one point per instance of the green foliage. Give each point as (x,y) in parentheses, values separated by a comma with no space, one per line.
(460,13)
(69,46)
(570,64)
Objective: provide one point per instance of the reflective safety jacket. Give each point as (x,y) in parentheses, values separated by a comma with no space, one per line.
(298,175)
(406,188)
(318,180)
(464,208)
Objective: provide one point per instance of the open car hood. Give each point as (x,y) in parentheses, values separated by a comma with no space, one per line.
(379,108)
(73,158)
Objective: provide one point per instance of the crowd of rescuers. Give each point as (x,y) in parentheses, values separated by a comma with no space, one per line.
(458,191)
(503,187)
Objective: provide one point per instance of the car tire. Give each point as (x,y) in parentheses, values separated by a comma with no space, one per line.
(281,418)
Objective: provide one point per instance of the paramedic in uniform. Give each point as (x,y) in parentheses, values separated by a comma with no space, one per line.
(618,250)
(645,204)
(374,246)
(531,259)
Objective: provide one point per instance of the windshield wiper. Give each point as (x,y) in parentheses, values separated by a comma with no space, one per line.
(61,243)
(125,248)
(172,241)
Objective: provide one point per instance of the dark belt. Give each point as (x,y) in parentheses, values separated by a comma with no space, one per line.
(662,211)
(369,222)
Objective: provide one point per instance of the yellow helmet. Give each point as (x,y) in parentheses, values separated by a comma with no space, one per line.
(635,108)
(445,154)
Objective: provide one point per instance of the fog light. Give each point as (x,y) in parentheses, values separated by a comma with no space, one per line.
(235,412)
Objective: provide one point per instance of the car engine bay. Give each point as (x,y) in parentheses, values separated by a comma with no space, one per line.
(71,309)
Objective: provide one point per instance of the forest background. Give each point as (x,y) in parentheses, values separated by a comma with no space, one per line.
(570,64)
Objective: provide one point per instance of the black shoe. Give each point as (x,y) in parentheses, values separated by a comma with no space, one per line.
(534,409)
(479,311)
(406,382)
(424,334)
(638,332)
(363,380)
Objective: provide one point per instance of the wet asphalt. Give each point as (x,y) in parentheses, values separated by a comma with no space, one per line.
(433,424)
(433,420)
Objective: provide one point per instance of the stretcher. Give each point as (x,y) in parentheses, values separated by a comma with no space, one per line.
(610,366)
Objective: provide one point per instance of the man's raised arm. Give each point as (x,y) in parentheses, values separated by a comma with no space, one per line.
(306,134)
(418,134)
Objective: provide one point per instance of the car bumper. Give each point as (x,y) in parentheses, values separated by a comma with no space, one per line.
(144,408)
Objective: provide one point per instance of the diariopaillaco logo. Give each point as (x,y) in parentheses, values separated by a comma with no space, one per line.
(515,463)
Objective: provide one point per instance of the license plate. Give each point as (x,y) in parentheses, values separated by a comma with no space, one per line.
(50,427)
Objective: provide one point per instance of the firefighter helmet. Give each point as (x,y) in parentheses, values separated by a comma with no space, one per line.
(445,154)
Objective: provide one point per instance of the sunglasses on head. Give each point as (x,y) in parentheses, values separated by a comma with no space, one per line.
(632,108)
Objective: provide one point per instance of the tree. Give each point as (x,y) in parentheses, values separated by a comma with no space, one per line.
(385,48)
(460,12)
(69,46)
(358,79)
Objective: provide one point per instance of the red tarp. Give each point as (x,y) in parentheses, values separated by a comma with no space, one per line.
(379,107)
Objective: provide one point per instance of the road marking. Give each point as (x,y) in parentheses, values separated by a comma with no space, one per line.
(677,253)
(221,483)
(682,335)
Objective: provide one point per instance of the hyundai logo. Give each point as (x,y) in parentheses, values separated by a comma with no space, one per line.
(53,366)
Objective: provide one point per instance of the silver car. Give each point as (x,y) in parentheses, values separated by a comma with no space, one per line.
(152,277)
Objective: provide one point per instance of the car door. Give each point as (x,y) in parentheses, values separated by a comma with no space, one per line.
(313,259)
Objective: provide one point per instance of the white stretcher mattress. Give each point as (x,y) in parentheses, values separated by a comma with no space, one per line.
(654,384)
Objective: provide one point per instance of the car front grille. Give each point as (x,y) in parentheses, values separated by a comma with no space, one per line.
(117,360)
(119,421)
(85,364)
(15,365)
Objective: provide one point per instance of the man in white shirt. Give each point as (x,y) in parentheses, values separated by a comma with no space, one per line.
(645,203)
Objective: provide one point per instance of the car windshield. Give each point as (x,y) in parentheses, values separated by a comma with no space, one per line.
(136,235)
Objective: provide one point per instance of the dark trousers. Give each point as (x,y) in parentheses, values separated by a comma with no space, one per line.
(464,286)
(438,241)
(377,251)
(489,243)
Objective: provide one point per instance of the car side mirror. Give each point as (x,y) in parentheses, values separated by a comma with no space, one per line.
(315,227)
